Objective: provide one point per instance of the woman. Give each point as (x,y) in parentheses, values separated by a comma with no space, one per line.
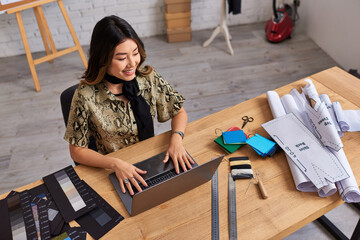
(116,102)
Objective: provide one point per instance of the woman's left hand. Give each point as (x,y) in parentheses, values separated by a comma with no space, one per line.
(178,154)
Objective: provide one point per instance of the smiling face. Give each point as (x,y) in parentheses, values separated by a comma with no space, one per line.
(125,60)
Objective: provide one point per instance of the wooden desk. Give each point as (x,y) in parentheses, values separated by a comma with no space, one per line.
(189,216)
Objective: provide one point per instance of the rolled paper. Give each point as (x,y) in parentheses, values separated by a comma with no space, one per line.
(341,117)
(290,106)
(302,183)
(325,98)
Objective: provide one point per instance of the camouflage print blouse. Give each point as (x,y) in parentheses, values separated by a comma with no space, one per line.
(96,111)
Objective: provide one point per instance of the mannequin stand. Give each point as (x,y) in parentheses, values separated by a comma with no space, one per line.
(223,28)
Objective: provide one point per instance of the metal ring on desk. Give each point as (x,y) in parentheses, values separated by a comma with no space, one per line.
(216,133)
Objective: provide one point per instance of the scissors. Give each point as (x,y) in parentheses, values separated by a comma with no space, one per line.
(246,120)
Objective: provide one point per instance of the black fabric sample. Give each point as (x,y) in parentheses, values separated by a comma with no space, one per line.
(60,198)
(234,6)
(5,226)
(101,219)
(242,166)
(238,158)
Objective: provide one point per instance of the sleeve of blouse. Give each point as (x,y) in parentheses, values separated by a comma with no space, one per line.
(77,129)
(168,100)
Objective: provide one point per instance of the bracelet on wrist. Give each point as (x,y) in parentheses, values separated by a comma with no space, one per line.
(180,133)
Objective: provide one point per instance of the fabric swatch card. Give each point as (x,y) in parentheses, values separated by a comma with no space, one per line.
(12,193)
(5,224)
(263,146)
(63,229)
(229,148)
(17,220)
(41,218)
(234,137)
(56,220)
(74,233)
(69,193)
(101,219)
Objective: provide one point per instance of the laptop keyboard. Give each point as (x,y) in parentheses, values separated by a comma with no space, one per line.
(160,178)
(157,179)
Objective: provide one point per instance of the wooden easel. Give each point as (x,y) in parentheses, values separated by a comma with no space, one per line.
(51,51)
(223,28)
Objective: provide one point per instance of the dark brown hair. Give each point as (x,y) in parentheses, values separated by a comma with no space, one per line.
(107,34)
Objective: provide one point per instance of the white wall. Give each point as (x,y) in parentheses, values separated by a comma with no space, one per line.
(334,26)
(146,16)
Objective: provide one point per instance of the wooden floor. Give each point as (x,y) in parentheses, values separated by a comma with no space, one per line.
(32,127)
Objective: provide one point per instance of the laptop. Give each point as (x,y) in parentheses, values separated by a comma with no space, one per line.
(163,182)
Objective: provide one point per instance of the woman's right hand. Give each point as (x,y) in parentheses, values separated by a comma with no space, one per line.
(127,175)
(122,169)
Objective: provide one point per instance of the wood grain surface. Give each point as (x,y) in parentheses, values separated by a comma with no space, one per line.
(188,216)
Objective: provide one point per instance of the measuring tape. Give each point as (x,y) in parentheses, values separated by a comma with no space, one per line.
(232,209)
(214,207)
